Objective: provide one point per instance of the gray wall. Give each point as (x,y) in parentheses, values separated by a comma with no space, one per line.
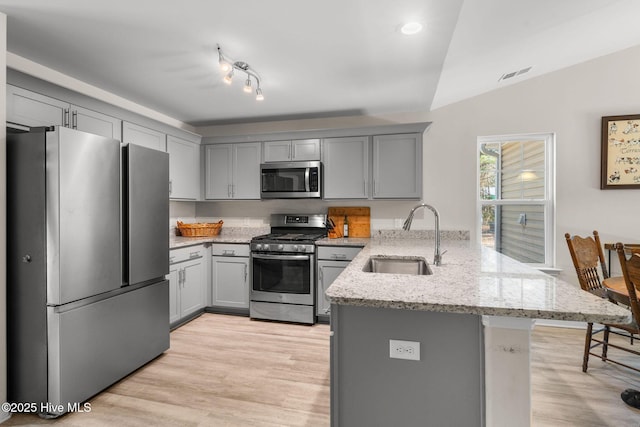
(444,388)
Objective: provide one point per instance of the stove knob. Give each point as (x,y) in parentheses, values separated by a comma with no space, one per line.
(258,246)
(294,248)
(280,247)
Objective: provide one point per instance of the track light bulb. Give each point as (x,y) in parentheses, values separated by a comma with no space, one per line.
(225,66)
(247,86)
(259,96)
(228,78)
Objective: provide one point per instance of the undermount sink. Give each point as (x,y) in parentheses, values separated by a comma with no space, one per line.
(397,265)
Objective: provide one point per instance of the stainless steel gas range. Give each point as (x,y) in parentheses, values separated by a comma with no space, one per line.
(283,265)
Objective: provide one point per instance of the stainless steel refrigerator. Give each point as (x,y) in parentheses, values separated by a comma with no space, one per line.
(87,253)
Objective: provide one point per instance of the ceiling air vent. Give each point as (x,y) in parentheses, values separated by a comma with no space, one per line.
(512,74)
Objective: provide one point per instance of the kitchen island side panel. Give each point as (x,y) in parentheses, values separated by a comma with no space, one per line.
(443,388)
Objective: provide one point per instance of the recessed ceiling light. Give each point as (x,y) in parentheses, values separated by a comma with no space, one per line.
(411,28)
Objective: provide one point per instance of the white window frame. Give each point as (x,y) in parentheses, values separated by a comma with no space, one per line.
(548,201)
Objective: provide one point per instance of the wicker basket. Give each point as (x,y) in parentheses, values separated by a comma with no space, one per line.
(201,229)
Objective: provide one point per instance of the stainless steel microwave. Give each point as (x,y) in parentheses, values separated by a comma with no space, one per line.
(291,180)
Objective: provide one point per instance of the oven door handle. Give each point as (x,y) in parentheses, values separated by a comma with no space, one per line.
(282,257)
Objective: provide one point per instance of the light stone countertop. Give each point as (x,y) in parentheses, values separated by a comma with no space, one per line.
(227,235)
(471,280)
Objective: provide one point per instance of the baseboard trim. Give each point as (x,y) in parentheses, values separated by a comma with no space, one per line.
(561,323)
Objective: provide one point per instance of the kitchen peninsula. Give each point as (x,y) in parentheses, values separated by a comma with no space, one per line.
(471,320)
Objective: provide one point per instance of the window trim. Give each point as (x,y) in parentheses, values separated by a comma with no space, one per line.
(549,201)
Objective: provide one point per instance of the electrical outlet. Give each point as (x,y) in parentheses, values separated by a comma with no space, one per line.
(408,350)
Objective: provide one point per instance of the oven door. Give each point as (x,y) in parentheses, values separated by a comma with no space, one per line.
(285,278)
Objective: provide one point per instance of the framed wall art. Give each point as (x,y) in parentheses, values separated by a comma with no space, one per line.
(620,168)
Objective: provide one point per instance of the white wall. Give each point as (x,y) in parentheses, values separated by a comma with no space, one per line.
(3,210)
(569,102)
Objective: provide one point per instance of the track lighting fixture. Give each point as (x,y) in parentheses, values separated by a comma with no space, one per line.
(228,67)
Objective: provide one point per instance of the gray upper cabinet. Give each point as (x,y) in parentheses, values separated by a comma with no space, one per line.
(93,122)
(232,171)
(33,109)
(218,171)
(346,167)
(397,166)
(292,150)
(184,168)
(140,135)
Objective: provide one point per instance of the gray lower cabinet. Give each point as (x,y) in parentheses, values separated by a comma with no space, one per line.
(232,171)
(184,168)
(346,167)
(332,260)
(230,276)
(187,282)
(33,109)
(397,166)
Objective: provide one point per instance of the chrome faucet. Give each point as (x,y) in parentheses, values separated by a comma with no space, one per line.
(437,257)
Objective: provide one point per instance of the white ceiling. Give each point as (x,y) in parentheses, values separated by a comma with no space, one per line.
(315,58)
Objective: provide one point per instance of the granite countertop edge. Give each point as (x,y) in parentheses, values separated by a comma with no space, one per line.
(472,280)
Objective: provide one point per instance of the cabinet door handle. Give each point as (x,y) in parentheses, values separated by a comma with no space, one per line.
(194,255)
(321,277)
(229,252)
(229,190)
(375,187)
(184,276)
(170,187)
(245,273)
(339,256)
(65,118)
(179,277)
(291,153)
(74,120)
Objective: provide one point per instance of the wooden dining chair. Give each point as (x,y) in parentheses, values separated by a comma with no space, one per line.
(589,262)
(591,268)
(631,272)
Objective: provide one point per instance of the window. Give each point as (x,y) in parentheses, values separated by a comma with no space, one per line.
(515,193)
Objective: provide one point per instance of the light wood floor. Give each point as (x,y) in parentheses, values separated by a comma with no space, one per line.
(231,371)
